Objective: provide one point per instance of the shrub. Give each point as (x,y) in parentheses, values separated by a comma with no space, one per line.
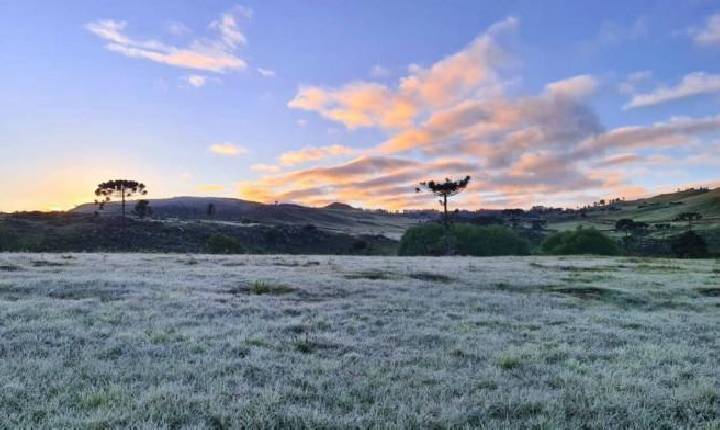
(689,244)
(224,244)
(463,239)
(488,240)
(425,239)
(580,241)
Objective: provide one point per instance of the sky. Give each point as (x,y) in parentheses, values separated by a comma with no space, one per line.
(555,103)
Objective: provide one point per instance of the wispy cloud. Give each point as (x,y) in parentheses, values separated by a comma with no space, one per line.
(692,84)
(178,28)
(218,54)
(709,35)
(378,71)
(196,80)
(265,168)
(631,82)
(313,154)
(228,149)
(266,72)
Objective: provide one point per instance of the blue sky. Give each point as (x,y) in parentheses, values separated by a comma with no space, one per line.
(318,101)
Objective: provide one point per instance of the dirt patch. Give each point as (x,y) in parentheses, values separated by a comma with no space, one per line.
(580,269)
(372,275)
(45,263)
(10,268)
(80,292)
(431,277)
(594,293)
(709,291)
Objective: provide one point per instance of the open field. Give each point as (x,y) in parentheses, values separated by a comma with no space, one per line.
(179,341)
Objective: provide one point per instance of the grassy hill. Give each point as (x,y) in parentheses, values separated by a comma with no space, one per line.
(663,208)
(336,217)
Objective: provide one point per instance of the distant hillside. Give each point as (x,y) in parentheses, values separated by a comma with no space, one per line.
(335,217)
(663,208)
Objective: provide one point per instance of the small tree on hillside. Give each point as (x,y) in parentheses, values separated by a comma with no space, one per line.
(444,190)
(119,188)
(689,217)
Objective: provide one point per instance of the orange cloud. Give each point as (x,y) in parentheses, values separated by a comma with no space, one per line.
(367,104)
(313,154)
(228,149)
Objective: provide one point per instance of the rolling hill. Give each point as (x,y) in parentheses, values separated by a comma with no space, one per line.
(336,217)
(663,208)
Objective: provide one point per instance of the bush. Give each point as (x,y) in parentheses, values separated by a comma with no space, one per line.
(689,244)
(488,240)
(426,239)
(224,244)
(580,241)
(463,239)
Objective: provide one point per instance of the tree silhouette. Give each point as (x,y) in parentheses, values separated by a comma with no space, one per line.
(122,188)
(689,245)
(444,190)
(211,210)
(142,208)
(689,217)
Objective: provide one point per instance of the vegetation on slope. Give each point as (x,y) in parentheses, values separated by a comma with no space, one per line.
(462,239)
(578,242)
(61,232)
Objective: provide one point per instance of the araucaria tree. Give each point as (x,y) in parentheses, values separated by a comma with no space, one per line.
(118,188)
(444,190)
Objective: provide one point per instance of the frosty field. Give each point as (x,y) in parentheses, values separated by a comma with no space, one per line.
(175,341)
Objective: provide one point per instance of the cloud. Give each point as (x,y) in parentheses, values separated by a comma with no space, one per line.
(619,159)
(368,104)
(709,35)
(216,55)
(575,87)
(266,72)
(631,82)
(675,132)
(313,154)
(301,123)
(178,28)
(227,149)
(612,33)
(462,116)
(387,180)
(196,81)
(378,71)
(265,168)
(692,84)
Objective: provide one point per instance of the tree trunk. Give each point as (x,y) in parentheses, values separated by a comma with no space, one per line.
(446,223)
(445,213)
(122,191)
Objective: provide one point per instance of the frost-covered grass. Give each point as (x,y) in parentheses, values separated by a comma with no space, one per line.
(174,341)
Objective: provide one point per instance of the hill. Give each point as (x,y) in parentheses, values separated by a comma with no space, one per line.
(336,217)
(663,208)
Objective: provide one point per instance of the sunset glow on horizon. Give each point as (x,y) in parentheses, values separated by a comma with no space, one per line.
(357,102)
